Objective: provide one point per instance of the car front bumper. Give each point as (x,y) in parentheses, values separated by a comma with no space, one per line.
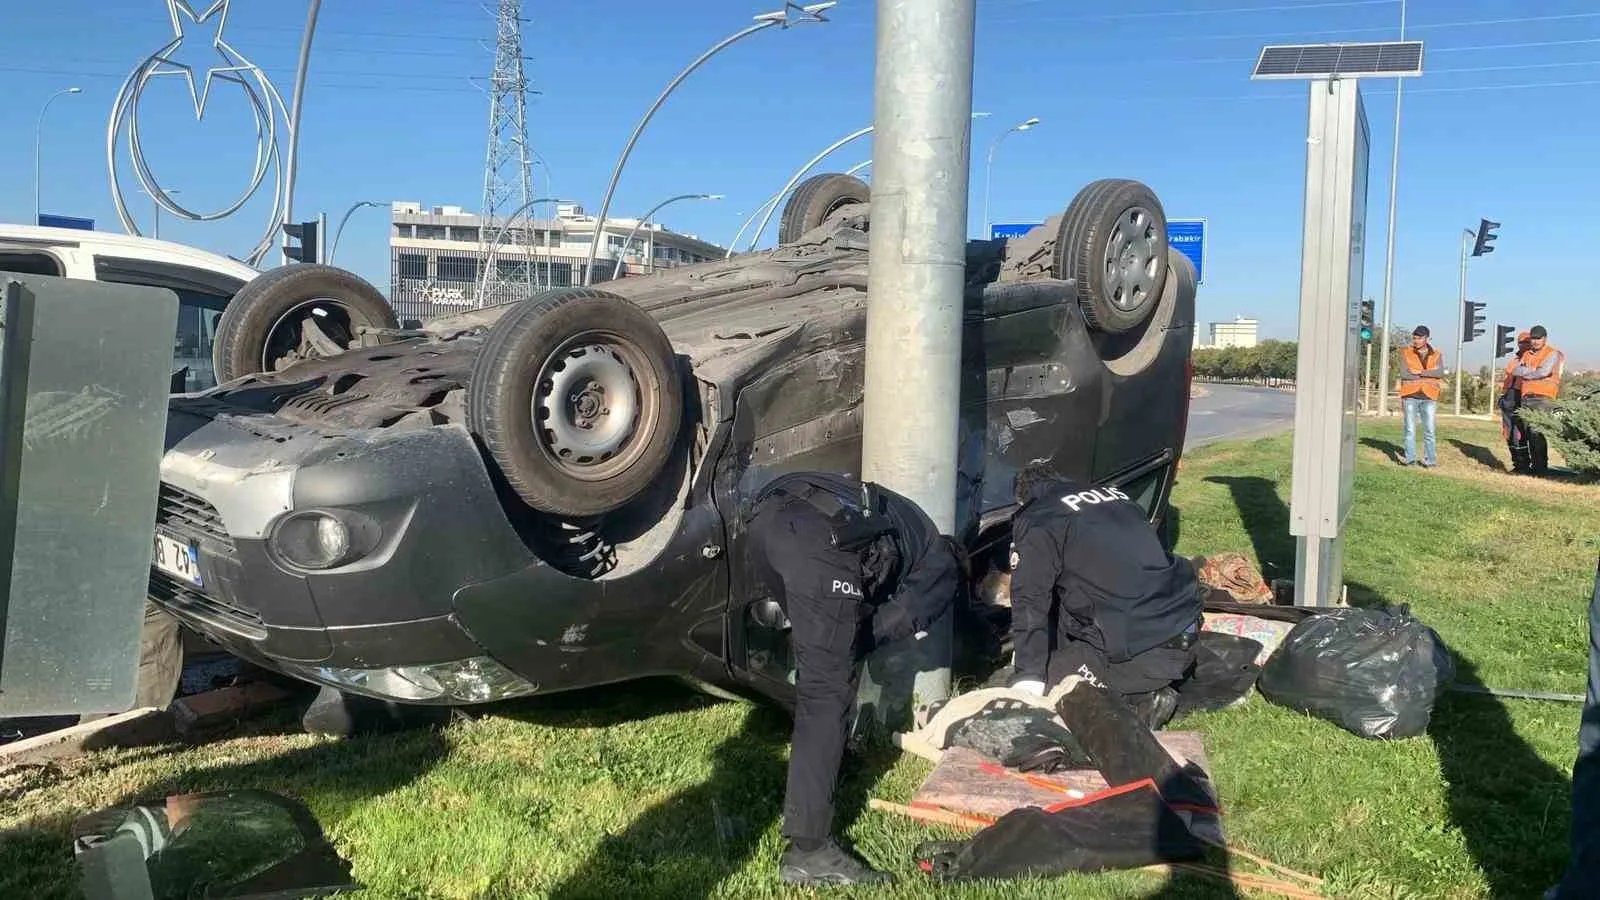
(381,622)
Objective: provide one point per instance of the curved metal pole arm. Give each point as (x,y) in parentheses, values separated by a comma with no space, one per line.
(616,171)
(334,247)
(734,244)
(494,246)
(38,131)
(616,270)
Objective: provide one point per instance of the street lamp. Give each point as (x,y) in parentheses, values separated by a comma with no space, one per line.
(492,256)
(988,175)
(649,260)
(1388,258)
(858,167)
(334,247)
(781,18)
(38,130)
(771,206)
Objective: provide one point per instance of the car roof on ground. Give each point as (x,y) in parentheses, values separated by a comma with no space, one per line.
(125,245)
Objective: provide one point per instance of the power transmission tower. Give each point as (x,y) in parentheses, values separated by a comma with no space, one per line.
(508,166)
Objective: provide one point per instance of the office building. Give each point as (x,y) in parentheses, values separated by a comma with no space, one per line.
(1241,332)
(437,259)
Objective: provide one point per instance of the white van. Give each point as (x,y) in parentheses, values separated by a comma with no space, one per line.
(204,282)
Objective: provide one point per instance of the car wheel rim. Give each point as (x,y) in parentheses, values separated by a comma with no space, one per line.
(1131,260)
(588,406)
(284,338)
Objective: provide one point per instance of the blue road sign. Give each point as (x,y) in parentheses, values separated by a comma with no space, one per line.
(1016,229)
(49,220)
(1188,236)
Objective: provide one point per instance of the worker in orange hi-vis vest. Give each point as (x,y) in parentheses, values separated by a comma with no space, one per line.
(1539,372)
(1510,400)
(1421,377)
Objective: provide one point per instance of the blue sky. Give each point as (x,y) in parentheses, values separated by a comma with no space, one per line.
(1503,125)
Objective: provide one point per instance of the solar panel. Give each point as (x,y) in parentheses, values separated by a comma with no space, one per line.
(1340,60)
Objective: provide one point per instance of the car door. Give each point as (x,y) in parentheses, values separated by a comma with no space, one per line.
(202,296)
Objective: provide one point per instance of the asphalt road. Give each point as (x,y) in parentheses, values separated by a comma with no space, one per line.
(1237,411)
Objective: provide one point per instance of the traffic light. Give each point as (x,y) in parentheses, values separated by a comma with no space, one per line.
(1366,320)
(1505,337)
(310,235)
(1471,319)
(1485,236)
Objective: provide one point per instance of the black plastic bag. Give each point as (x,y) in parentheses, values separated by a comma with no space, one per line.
(1374,673)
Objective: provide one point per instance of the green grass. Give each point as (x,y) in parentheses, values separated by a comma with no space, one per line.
(648,790)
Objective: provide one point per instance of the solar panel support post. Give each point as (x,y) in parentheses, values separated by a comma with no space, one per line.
(1333,251)
(922,136)
(1328,373)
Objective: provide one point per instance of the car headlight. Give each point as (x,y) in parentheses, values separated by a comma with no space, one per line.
(475,680)
(322,539)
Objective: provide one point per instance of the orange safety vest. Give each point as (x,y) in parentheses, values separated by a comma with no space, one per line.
(1543,387)
(1413,361)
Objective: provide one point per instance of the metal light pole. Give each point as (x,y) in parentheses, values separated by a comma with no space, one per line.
(988,172)
(781,18)
(155,206)
(334,247)
(1388,265)
(922,99)
(771,206)
(1467,234)
(38,131)
(291,162)
(617,271)
(858,167)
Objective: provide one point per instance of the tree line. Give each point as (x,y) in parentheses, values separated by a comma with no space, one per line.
(1268,360)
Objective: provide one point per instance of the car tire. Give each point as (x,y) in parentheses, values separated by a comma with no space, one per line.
(1112,241)
(817,198)
(262,319)
(567,356)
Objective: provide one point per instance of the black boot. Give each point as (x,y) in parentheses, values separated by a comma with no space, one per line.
(1156,708)
(828,864)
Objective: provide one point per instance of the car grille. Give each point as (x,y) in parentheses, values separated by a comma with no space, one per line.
(191,517)
(168,591)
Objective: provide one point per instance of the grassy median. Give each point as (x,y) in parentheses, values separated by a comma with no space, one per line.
(652,791)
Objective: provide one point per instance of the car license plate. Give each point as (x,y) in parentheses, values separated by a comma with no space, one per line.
(178,558)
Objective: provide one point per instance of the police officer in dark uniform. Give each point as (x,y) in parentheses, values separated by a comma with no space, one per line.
(854,566)
(1126,612)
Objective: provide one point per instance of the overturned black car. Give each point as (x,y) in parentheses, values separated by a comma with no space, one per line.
(545,495)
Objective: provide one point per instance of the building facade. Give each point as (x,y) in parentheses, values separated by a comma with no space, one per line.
(1241,332)
(438,265)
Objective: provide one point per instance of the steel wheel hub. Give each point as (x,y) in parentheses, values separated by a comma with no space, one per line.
(1130,265)
(586,406)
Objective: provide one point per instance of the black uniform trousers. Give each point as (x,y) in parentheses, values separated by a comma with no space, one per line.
(1538,446)
(1152,670)
(821,590)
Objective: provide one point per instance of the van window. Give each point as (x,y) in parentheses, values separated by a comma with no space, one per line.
(202,296)
(29,262)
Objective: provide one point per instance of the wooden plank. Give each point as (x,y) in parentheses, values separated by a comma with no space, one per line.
(134,728)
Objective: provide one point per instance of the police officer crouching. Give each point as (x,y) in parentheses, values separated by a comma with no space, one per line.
(1127,613)
(854,566)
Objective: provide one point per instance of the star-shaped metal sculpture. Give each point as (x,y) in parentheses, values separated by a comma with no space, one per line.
(165,65)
